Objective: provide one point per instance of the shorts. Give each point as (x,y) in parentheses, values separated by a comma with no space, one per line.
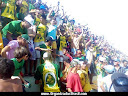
(60,58)
(32,50)
(37,45)
(92,69)
(54,45)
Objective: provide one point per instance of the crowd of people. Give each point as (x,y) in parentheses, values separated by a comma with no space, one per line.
(68,55)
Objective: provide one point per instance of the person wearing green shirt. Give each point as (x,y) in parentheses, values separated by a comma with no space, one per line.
(20,55)
(79,56)
(15,28)
(43,48)
(31,6)
(49,73)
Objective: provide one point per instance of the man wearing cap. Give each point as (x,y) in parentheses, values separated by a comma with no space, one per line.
(106,81)
(49,73)
(8,51)
(117,67)
(15,28)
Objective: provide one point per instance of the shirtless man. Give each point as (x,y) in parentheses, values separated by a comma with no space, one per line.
(6,71)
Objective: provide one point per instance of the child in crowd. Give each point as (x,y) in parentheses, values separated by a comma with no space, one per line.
(40,36)
(65,72)
(52,32)
(85,78)
(20,56)
(61,43)
(31,33)
(6,71)
(8,50)
(73,79)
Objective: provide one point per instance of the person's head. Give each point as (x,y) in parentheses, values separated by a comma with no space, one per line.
(6,68)
(28,21)
(62,30)
(125,63)
(105,62)
(83,67)
(49,41)
(43,19)
(109,69)
(92,44)
(47,56)
(42,9)
(53,21)
(21,53)
(33,13)
(23,39)
(65,50)
(76,34)
(116,62)
(74,64)
(78,53)
(66,60)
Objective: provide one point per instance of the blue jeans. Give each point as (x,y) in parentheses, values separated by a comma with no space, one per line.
(5,41)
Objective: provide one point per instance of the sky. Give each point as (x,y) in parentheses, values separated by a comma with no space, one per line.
(104,17)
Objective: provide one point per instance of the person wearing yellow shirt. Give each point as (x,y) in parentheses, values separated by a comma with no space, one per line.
(40,36)
(84,79)
(61,43)
(22,10)
(8,10)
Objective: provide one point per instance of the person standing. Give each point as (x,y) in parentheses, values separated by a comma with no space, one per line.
(15,28)
(73,79)
(49,74)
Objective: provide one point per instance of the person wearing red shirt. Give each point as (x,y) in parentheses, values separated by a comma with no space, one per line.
(73,79)
(65,52)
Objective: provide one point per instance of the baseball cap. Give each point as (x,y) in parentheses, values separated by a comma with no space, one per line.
(109,68)
(42,7)
(120,82)
(26,37)
(29,19)
(66,59)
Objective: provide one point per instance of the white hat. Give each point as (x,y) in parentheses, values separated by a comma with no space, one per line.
(29,19)
(109,68)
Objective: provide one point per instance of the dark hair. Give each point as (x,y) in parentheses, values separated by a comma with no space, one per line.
(44,16)
(66,49)
(20,52)
(66,59)
(124,61)
(6,68)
